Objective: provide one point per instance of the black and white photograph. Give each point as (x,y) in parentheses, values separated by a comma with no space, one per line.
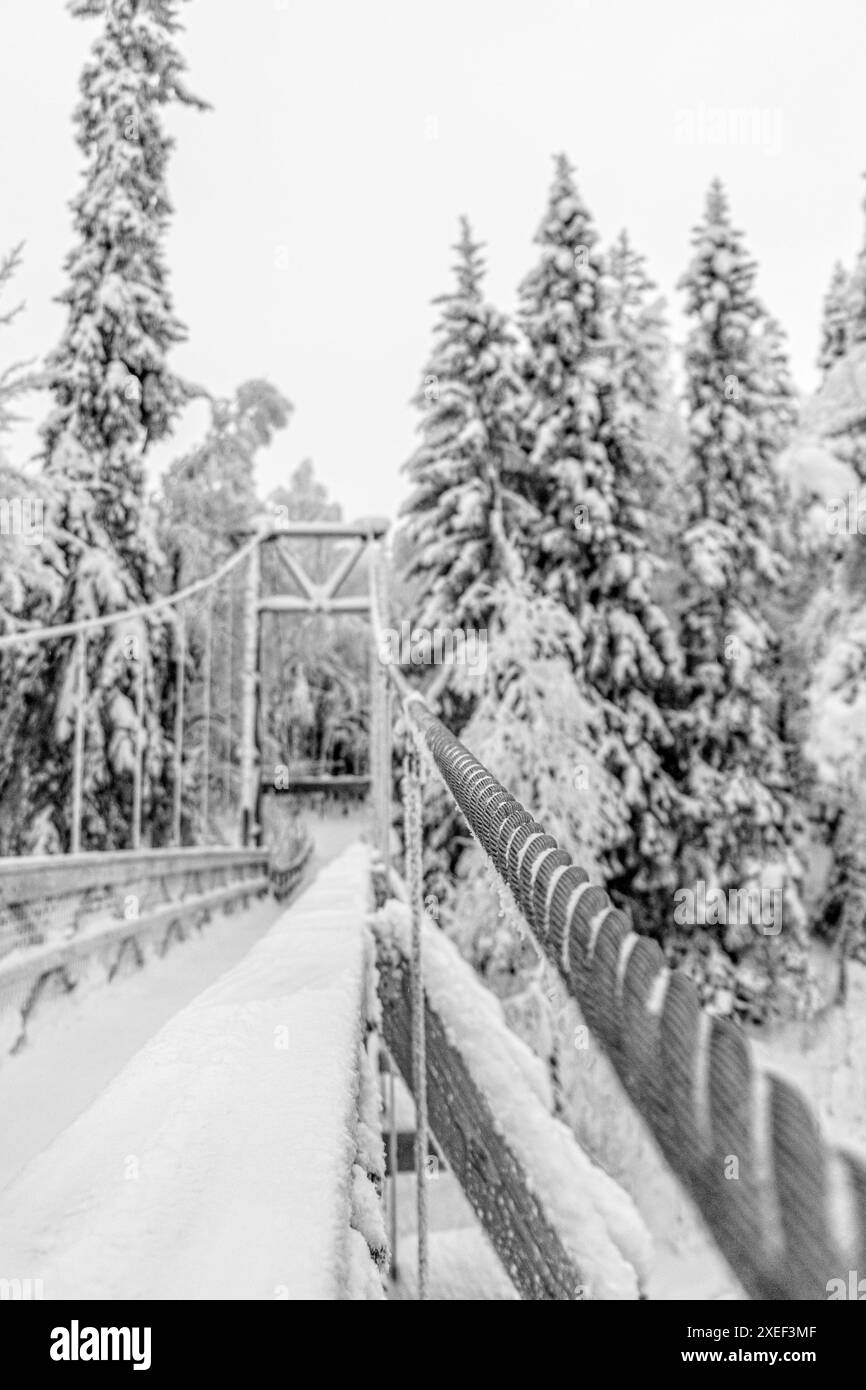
(432,671)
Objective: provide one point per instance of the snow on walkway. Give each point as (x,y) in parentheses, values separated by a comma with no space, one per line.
(78,1042)
(217,1163)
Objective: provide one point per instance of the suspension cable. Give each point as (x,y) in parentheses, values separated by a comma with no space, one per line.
(141,610)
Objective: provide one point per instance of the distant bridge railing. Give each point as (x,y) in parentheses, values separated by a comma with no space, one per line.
(285,876)
(60,914)
(744,1143)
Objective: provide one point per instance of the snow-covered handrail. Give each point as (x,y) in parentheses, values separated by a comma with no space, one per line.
(561,1227)
(39,877)
(59,911)
(745,1143)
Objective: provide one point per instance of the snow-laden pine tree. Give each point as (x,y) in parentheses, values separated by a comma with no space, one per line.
(467,514)
(640,365)
(837,413)
(564,367)
(115,394)
(740,821)
(17,378)
(857,296)
(593,355)
(466,511)
(29,564)
(27,568)
(836,322)
(776,415)
(776,391)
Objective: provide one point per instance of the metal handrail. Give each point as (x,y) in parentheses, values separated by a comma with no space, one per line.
(34,877)
(744,1142)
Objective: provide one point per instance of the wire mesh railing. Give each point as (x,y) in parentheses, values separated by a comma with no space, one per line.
(785,1207)
(62,914)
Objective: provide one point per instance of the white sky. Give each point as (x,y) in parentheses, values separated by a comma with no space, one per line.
(348,135)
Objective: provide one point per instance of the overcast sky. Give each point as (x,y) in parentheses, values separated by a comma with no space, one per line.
(316,204)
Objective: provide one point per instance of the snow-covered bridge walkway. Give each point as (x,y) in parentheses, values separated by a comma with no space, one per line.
(218,1162)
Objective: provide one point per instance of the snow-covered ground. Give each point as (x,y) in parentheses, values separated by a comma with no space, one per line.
(826,1057)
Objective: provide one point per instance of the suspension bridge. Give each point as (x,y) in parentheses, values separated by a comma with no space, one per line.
(252,1148)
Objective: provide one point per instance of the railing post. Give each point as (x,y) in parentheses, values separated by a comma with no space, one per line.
(180,672)
(380,719)
(385,754)
(392,1154)
(413,840)
(250,771)
(207,674)
(78,744)
(138,771)
(229,715)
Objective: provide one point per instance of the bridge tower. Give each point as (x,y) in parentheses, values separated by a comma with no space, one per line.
(326,597)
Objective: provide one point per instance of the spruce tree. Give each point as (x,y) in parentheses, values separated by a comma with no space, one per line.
(857,296)
(29,579)
(836,324)
(640,364)
(740,817)
(776,389)
(27,568)
(564,366)
(115,395)
(593,354)
(466,513)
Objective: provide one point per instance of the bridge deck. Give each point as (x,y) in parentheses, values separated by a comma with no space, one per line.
(216,1164)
